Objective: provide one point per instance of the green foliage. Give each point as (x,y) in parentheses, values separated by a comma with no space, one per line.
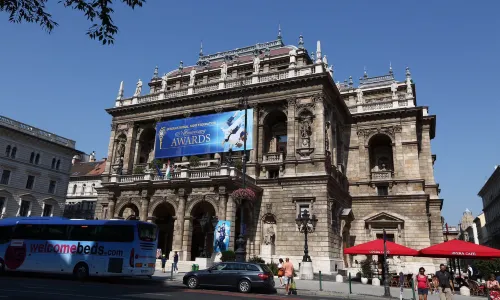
(228,255)
(274,268)
(488,267)
(366,268)
(155,163)
(194,161)
(96,11)
(256,260)
(238,165)
(138,170)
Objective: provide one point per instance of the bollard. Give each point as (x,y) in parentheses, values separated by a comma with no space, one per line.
(172,272)
(320,285)
(350,285)
(413,288)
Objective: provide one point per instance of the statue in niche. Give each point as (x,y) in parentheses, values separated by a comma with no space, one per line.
(192,76)
(120,151)
(272,144)
(223,71)
(270,235)
(305,132)
(138,88)
(256,64)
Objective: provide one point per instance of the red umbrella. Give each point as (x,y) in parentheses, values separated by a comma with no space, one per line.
(376,247)
(459,249)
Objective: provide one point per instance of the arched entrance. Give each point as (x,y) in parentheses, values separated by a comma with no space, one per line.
(129,212)
(202,212)
(164,215)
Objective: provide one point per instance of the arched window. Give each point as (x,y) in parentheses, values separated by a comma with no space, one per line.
(37,158)
(58,164)
(32,157)
(93,188)
(53,165)
(84,187)
(74,189)
(7,150)
(13,153)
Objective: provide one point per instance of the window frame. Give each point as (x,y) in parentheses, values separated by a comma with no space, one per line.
(51,212)
(382,188)
(32,157)
(37,159)
(8,178)
(28,212)
(13,153)
(8,149)
(50,185)
(32,184)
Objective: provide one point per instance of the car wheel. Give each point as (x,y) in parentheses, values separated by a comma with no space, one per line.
(81,271)
(192,282)
(244,286)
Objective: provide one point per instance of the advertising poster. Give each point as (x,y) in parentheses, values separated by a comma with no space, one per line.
(214,133)
(221,236)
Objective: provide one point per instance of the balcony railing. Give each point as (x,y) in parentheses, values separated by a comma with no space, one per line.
(385,104)
(382,175)
(272,157)
(213,86)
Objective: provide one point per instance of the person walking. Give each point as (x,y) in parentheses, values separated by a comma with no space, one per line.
(494,288)
(422,284)
(446,287)
(163,262)
(176,260)
(281,271)
(288,266)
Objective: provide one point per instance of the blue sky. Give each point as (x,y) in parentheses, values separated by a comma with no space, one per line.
(62,82)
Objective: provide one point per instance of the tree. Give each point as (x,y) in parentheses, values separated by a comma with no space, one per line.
(97,11)
(488,267)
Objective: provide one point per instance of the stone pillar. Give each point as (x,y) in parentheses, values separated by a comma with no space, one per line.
(222,203)
(144,208)
(231,217)
(186,238)
(426,168)
(111,149)
(260,144)
(179,227)
(319,128)
(111,208)
(398,156)
(129,149)
(255,136)
(137,152)
(290,130)
(363,157)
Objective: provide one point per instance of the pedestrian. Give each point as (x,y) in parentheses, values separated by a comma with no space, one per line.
(288,266)
(163,262)
(422,284)
(470,272)
(176,260)
(494,287)
(281,271)
(446,287)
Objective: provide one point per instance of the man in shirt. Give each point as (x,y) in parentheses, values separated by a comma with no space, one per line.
(445,283)
(288,266)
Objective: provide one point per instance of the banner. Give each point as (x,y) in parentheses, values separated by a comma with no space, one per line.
(214,133)
(221,236)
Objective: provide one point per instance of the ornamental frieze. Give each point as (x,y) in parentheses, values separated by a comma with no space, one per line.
(389,130)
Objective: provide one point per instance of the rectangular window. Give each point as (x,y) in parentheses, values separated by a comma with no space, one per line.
(24,209)
(104,233)
(30,182)
(147,232)
(5,177)
(390,237)
(28,232)
(47,210)
(52,187)
(383,190)
(2,204)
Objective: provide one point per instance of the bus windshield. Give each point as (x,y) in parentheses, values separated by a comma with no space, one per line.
(147,233)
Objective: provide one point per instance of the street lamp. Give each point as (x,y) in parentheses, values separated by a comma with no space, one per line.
(205,222)
(303,221)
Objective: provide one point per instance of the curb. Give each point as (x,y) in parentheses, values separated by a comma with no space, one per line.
(306,292)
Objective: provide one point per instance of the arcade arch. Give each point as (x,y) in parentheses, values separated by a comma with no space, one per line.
(129,212)
(199,235)
(164,218)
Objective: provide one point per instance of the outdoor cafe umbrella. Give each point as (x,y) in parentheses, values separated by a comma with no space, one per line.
(460,249)
(376,247)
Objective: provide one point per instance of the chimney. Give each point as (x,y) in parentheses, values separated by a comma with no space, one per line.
(76,159)
(92,157)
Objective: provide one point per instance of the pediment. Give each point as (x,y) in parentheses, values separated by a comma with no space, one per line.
(384,218)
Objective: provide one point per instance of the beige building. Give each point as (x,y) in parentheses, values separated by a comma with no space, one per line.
(490,193)
(358,157)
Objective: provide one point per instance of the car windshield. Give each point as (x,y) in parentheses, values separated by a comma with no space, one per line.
(147,232)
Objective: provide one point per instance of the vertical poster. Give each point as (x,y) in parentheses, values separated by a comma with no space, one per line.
(221,236)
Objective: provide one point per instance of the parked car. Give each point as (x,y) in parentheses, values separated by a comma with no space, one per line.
(243,276)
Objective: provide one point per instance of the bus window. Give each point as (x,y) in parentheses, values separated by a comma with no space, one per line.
(115,233)
(82,233)
(56,232)
(28,232)
(147,232)
(5,234)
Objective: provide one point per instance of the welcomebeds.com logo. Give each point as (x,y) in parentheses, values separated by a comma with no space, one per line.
(95,249)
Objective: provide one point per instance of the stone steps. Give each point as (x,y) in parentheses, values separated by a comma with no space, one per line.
(183,266)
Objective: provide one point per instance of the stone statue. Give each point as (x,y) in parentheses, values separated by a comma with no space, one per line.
(191,76)
(223,71)
(466,236)
(164,83)
(272,144)
(293,56)
(359,93)
(138,89)
(256,64)
(305,128)
(270,235)
(120,151)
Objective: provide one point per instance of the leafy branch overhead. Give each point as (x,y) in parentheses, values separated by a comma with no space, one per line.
(96,11)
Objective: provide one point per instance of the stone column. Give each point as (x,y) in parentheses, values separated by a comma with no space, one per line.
(111,208)
(179,227)
(426,168)
(111,149)
(231,217)
(364,156)
(186,238)
(319,128)
(255,136)
(260,144)
(290,130)
(398,156)
(129,149)
(222,203)
(144,208)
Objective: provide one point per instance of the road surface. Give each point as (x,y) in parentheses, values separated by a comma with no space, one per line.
(31,286)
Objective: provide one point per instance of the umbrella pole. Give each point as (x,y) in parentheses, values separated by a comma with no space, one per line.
(387,290)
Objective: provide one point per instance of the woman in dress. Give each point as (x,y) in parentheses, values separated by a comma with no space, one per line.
(494,288)
(281,271)
(422,284)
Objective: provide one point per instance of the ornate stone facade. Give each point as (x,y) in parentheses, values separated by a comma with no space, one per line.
(308,140)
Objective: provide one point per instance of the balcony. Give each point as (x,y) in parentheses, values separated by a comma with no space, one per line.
(381,175)
(384,104)
(272,158)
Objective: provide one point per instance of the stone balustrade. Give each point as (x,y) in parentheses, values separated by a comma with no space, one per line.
(272,157)
(234,83)
(381,105)
(382,175)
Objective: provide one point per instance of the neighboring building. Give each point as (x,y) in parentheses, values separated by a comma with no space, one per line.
(473,229)
(451,233)
(490,193)
(34,170)
(85,178)
(307,135)
(482,231)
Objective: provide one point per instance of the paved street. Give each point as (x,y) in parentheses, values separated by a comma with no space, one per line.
(27,286)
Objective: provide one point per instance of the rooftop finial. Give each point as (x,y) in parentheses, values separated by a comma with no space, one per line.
(201,48)
(408,74)
(318,52)
(120,92)
(301,42)
(155,73)
(365,75)
(390,69)
(351,83)
(279,32)
(181,66)
(409,88)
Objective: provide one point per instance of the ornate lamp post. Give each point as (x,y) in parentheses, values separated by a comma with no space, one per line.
(205,223)
(306,224)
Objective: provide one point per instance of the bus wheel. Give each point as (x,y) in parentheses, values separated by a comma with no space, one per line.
(81,271)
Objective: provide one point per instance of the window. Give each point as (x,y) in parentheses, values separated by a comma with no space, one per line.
(47,210)
(382,190)
(13,153)
(390,237)
(7,150)
(252,268)
(53,165)
(32,157)
(74,189)
(105,233)
(5,177)
(147,232)
(37,158)
(28,231)
(5,234)
(52,186)
(24,210)
(83,188)
(30,182)
(273,174)
(2,204)
(303,207)
(93,188)
(58,164)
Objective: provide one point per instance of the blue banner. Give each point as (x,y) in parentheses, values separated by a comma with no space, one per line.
(221,236)
(213,133)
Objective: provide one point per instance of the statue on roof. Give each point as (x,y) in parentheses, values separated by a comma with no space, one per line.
(359,94)
(223,71)
(256,64)
(191,76)
(138,89)
(394,89)
(164,83)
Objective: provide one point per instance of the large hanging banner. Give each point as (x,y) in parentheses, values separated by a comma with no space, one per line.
(221,236)
(213,133)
